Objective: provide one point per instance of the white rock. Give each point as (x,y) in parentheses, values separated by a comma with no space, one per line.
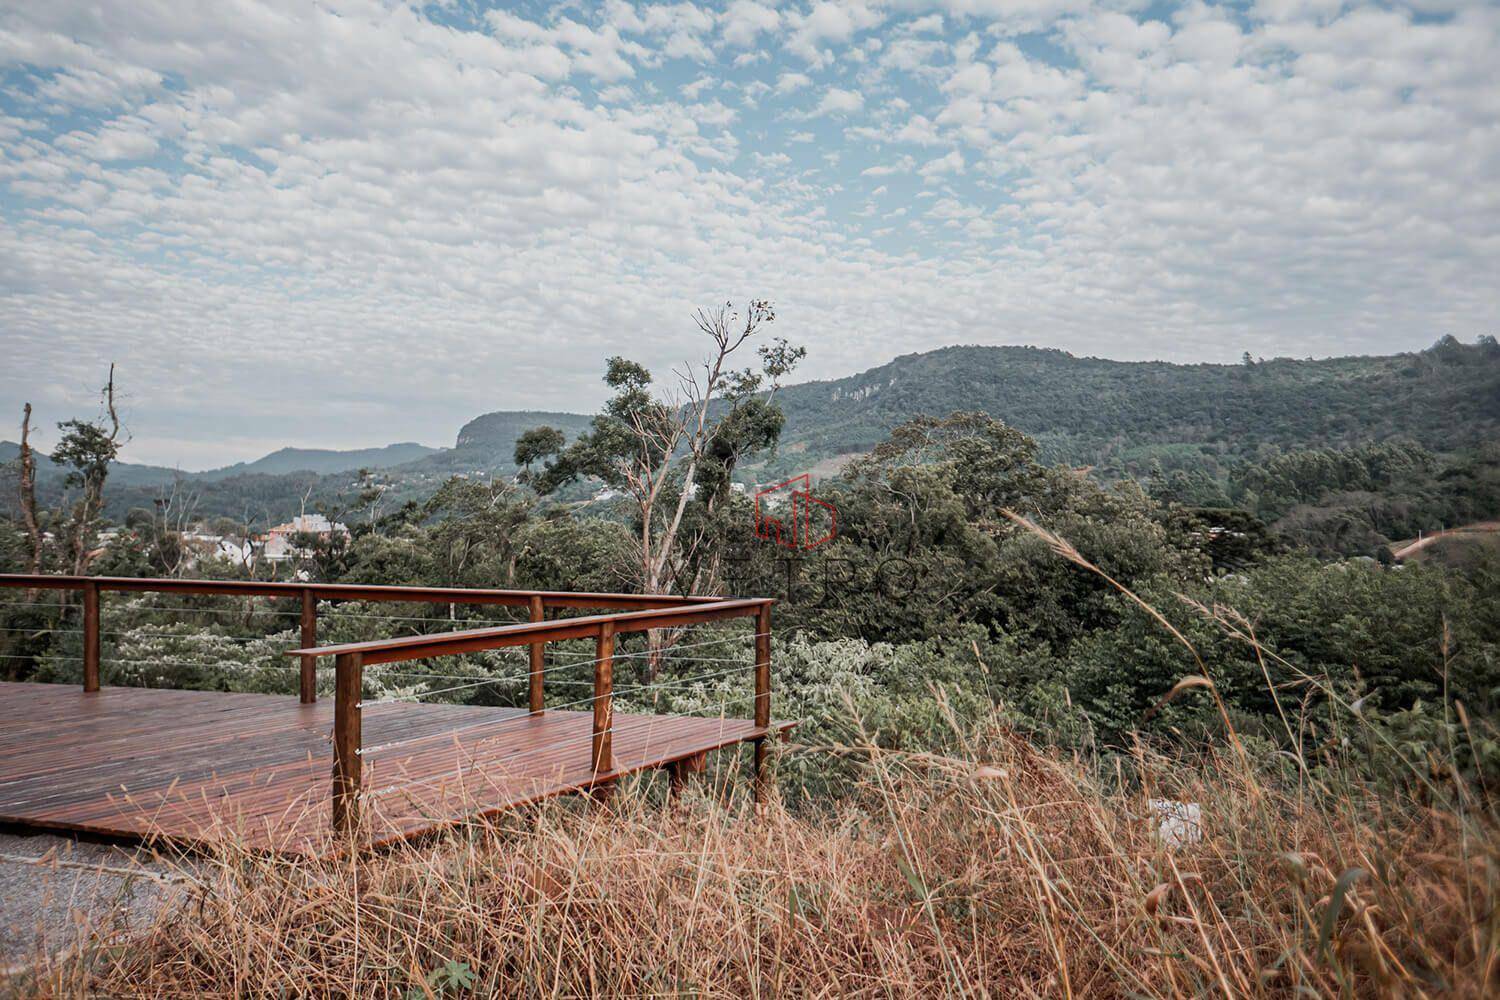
(1178,823)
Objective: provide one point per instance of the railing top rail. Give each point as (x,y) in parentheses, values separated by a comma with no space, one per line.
(354,592)
(418,647)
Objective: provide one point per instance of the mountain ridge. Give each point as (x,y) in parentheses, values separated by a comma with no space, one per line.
(1119,417)
(1092,411)
(324,460)
(282,461)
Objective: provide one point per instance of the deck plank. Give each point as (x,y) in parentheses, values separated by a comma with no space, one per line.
(195,766)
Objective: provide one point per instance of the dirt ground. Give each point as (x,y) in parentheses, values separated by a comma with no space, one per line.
(51,886)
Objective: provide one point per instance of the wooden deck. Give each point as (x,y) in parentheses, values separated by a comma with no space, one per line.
(196,766)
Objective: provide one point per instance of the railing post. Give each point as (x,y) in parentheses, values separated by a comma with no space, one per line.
(348,682)
(602,756)
(309,684)
(535,691)
(762,696)
(90,636)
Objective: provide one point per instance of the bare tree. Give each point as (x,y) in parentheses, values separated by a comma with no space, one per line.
(372,492)
(657,448)
(173,514)
(28,495)
(663,556)
(652,446)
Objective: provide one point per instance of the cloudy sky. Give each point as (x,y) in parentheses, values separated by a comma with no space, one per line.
(347,223)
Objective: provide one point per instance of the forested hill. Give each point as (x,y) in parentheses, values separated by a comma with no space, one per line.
(324,461)
(1122,418)
(1114,414)
(488,442)
(283,461)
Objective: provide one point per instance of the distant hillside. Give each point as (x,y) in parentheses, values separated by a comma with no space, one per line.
(1116,415)
(122,473)
(269,489)
(497,432)
(488,442)
(323,461)
(276,486)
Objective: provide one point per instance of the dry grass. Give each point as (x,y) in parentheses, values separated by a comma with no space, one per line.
(1009,872)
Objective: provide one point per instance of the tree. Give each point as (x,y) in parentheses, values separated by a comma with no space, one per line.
(89,446)
(476,530)
(164,526)
(371,492)
(27,491)
(665,449)
(925,548)
(533,446)
(673,453)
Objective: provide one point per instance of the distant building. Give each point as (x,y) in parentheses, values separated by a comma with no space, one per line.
(280,543)
(200,545)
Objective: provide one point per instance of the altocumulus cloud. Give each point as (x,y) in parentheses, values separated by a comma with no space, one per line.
(358,221)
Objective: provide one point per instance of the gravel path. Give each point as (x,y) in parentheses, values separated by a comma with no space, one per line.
(45,907)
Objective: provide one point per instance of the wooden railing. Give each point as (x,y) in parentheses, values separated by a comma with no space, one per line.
(629,613)
(350,660)
(536,601)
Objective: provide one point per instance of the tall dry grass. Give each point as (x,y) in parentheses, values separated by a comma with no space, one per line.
(1004,871)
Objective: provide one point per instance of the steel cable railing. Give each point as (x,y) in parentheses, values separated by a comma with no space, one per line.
(352,658)
(194,594)
(357,608)
(365,704)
